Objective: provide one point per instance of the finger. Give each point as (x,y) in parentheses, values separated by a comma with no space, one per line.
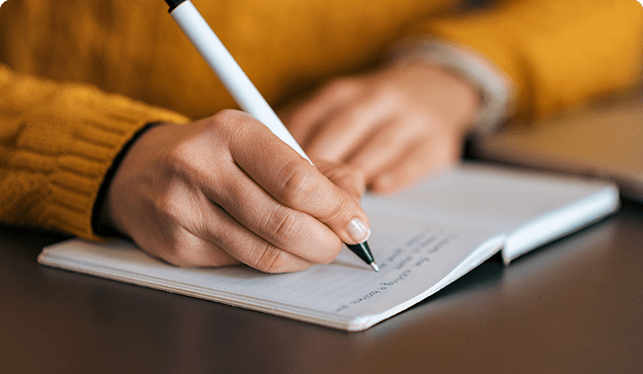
(387,145)
(169,230)
(295,232)
(303,122)
(413,164)
(348,128)
(204,164)
(344,176)
(194,251)
(295,183)
(202,234)
(183,248)
(221,232)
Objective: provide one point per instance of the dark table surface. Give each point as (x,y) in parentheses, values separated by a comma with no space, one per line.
(573,306)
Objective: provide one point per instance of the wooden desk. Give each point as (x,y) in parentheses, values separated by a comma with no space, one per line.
(573,306)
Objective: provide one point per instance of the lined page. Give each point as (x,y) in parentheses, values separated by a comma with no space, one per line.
(413,256)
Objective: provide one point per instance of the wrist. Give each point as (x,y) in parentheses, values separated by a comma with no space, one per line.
(102,217)
(492,86)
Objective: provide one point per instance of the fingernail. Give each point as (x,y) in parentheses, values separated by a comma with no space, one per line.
(358,231)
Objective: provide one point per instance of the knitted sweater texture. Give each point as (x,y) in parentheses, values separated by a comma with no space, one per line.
(79,77)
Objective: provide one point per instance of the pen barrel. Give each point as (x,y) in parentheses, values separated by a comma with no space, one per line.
(362,251)
(229,72)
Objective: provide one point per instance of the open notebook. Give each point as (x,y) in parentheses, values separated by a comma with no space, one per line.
(423,239)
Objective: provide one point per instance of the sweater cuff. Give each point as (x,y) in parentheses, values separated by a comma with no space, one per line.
(102,128)
(494,87)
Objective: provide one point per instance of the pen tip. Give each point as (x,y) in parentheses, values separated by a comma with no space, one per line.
(375,267)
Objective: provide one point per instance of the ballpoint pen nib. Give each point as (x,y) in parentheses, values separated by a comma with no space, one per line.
(375,267)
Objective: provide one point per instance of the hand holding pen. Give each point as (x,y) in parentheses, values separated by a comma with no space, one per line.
(226,190)
(244,92)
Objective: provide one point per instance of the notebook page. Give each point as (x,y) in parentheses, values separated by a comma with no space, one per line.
(413,257)
(486,197)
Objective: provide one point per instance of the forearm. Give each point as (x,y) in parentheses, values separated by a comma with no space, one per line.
(57,142)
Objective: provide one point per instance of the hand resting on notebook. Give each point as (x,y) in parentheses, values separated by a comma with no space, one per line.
(394,124)
(225,190)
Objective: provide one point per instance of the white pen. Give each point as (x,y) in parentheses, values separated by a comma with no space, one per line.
(239,85)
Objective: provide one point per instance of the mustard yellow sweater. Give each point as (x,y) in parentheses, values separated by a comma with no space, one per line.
(105,68)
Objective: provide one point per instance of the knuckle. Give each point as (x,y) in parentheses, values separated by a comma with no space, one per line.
(229,123)
(226,117)
(284,225)
(339,212)
(297,184)
(237,130)
(179,159)
(185,162)
(269,259)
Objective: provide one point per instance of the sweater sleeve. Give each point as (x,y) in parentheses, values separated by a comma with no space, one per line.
(554,52)
(57,143)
